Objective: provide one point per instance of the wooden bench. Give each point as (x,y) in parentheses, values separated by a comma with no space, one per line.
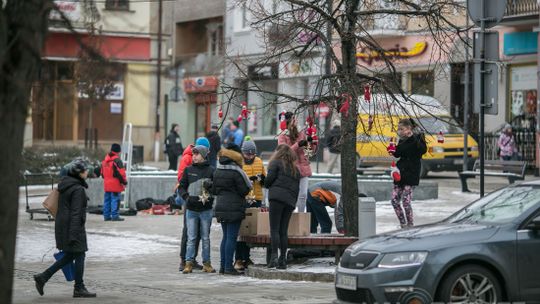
(331,242)
(513,170)
(375,164)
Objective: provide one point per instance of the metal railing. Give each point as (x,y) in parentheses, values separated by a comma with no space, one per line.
(526,144)
(521,7)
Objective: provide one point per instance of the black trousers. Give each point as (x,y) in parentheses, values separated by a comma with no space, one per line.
(280,214)
(173,161)
(69,257)
(183,244)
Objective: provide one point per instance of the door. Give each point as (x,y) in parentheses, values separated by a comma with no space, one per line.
(528,259)
(205,103)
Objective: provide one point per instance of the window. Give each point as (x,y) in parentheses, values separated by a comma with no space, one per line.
(423,83)
(241,22)
(117,5)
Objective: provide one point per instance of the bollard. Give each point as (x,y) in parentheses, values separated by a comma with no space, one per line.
(366,217)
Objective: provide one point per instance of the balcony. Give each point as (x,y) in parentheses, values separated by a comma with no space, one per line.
(200,64)
(521,12)
(385,26)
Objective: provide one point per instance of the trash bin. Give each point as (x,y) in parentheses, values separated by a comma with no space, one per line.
(138,154)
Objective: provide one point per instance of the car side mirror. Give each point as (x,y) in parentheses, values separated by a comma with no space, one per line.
(534,224)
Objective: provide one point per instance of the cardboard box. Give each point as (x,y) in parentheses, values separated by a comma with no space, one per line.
(258,223)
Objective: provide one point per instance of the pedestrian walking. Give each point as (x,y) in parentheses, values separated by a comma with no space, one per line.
(410,148)
(187,160)
(195,187)
(215,145)
(333,142)
(114,183)
(231,185)
(507,148)
(69,229)
(173,146)
(283,182)
(254,169)
(236,135)
(298,143)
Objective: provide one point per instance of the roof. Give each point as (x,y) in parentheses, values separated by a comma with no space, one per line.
(397,105)
(532,183)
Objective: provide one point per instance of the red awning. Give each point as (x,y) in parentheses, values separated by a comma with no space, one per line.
(112,47)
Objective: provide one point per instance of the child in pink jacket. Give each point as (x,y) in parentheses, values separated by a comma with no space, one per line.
(298,142)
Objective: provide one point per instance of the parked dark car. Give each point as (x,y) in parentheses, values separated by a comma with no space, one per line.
(488,252)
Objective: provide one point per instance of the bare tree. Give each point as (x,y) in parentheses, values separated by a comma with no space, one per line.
(300,29)
(23,26)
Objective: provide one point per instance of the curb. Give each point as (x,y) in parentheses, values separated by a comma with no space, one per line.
(261,272)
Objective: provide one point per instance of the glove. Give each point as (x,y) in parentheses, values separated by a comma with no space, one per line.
(185,196)
(254,178)
(207,184)
(264,209)
(310,139)
(261,178)
(303,143)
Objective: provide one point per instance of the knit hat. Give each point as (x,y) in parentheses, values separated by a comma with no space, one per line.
(116,148)
(202,150)
(202,141)
(76,167)
(233,147)
(249,146)
(236,123)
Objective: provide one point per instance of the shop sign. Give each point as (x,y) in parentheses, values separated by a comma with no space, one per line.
(116,108)
(398,52)
(263,71)
(200,84)
(116,93)
(301,68)
(520,43)
(70,9)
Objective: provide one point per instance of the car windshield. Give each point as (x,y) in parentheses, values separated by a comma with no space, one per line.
(499,207)
(434,125)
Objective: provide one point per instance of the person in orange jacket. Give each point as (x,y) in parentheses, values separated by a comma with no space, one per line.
(114,183)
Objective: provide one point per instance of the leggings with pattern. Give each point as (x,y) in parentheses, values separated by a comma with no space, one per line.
(403,193)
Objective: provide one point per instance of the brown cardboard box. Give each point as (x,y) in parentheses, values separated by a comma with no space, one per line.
(299,225)
(255,223)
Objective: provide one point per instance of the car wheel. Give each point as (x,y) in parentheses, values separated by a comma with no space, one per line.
(470,284)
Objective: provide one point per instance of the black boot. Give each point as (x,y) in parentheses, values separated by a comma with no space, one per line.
(82,292)
(40,283)
(273,261)
(282,263)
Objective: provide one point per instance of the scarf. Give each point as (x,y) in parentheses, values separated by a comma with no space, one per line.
(239,170)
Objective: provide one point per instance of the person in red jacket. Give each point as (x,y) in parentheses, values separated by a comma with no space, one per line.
(115,181)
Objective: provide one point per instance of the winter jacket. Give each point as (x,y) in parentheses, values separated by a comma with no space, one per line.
(195,181)
(173,144)
(69,225)
(410,151)
(329,194)
(252,170)
(507,145)
(113,173)
(215,145)
(303,162)
(333,140)
(282,184)
(231,185)
(186,161)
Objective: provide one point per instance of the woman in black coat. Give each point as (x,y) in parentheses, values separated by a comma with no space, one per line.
(410,148)
(173,147)
(231,185)
(282,180)
(69,228)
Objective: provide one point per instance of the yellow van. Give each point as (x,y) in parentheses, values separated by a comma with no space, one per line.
(374,134)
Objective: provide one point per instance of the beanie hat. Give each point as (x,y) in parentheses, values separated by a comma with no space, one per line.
(116,148)
(236,123)
(233,147)
(249,146)
(76,167)
(202,141)
(202,150)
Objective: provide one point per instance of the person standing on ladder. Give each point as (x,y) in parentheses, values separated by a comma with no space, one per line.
(115,181)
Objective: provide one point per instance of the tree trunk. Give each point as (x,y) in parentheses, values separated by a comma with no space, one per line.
(23,25)
(349,184)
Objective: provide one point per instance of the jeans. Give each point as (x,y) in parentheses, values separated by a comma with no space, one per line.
(198,224)
(243,252)
(69,257)
(302,194)
(319,215)
(183,243)
(280,214)
(111,205)
(228,244)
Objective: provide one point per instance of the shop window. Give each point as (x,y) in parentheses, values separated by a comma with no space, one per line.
(523,96)
(117,5)
(423,83)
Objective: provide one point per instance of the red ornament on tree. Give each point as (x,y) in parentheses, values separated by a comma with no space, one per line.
(367,93)
(239,118)
(440,137)
(391,147)
(245,112)
(220,113)
(344,110)
(282,121)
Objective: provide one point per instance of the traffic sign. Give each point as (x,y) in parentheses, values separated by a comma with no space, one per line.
(492,11)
